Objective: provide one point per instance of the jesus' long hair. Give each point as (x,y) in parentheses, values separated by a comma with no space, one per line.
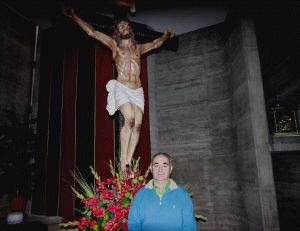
(116,35)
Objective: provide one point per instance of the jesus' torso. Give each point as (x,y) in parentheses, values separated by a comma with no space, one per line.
(128,64)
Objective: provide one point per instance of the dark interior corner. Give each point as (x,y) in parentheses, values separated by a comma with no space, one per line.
(287,182)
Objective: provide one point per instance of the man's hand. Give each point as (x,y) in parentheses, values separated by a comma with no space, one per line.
(170,32)
(69,12)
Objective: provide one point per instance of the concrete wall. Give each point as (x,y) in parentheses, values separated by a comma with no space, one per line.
(16,57)
(193,118)
(249,121)
(207,105)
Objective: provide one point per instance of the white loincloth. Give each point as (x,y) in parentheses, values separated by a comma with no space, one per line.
(119,94)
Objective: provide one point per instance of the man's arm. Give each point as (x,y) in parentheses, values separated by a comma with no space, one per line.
(189,220)
(146,47)
(103,38)
(134,223)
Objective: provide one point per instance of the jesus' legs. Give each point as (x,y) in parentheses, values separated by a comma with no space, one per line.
(127,111)
(134,139)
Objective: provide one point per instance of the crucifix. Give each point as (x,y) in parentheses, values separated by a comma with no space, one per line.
(125,93)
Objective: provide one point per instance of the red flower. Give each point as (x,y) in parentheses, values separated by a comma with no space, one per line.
(112,200)
(123,225)
(111,208)
(110,225)
(80,226)
(84,221)
(92,223)
(101,186)
(110,181)
(133,193)
(98,212)
(120,213)
(139,186)
(108,194)
(92,201)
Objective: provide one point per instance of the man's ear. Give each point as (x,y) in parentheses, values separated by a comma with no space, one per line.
(171,169)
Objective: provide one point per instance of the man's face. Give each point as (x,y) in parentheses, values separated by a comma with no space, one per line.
(161,168)
(125,30)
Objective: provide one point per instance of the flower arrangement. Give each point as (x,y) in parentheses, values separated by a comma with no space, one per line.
(106,204)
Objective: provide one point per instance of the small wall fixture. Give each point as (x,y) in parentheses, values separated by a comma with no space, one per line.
(283,120)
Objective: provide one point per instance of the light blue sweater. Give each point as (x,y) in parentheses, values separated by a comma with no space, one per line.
(174,211)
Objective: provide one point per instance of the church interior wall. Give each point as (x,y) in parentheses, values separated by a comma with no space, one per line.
(206,120)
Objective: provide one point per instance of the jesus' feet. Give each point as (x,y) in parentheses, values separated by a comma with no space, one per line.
(129,173)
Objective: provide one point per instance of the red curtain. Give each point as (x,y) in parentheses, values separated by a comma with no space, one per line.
(104,124)
(68,138)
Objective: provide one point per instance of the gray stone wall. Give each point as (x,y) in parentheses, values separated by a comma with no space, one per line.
(206,102)
(16,57)
(193,118)
(151,60)
(250,125)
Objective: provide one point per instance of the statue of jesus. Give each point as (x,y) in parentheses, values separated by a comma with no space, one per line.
(126,92)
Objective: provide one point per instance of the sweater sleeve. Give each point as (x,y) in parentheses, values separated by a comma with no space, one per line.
(134,220)
(189,220)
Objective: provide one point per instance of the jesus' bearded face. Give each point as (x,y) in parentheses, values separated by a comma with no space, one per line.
(125,30)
